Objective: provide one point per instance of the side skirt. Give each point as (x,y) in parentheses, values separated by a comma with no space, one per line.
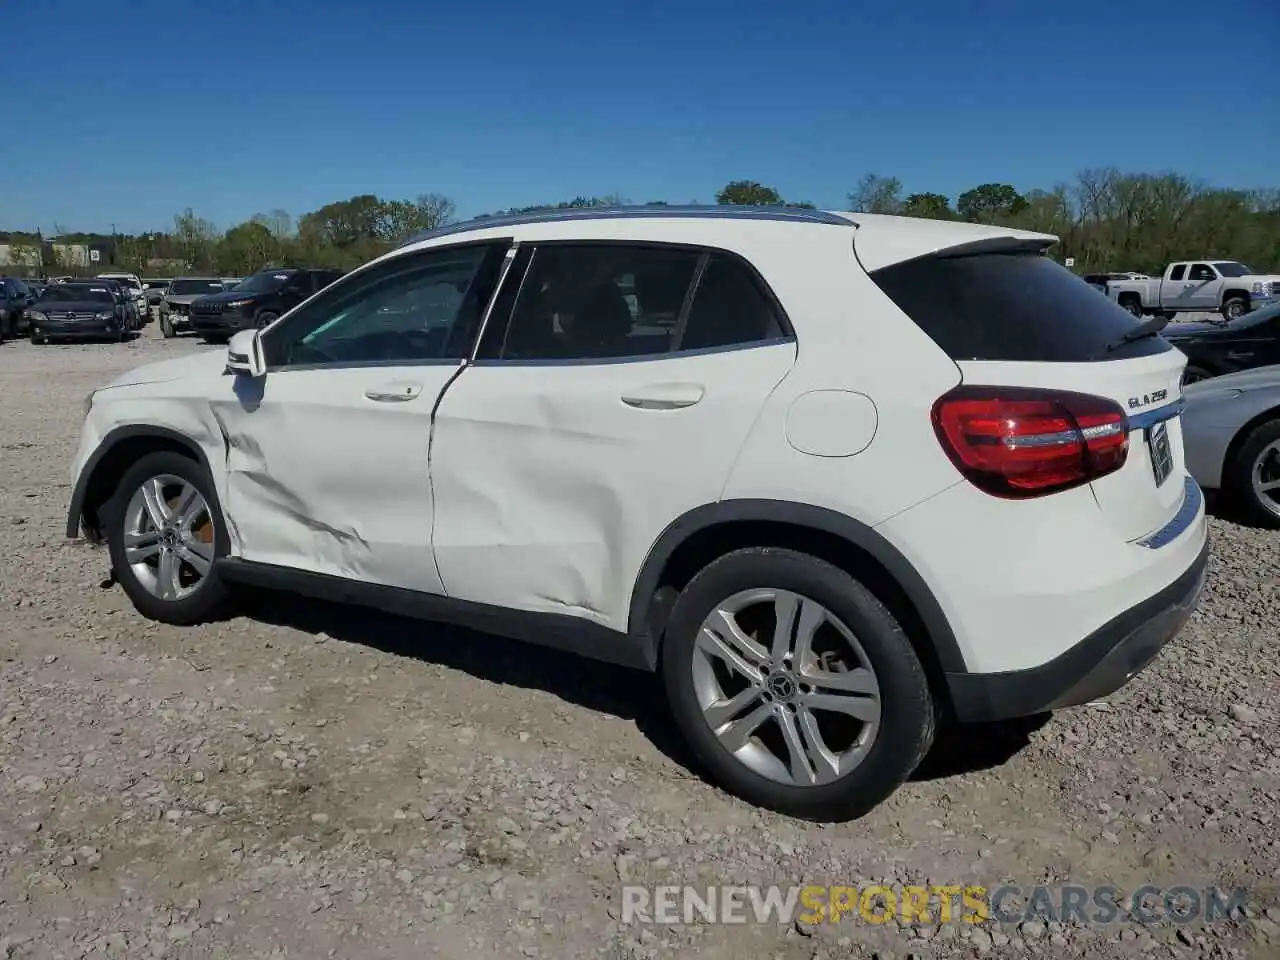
(554,630)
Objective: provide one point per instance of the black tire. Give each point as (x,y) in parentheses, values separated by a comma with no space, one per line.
(264,318)
(166,327)
(215,338)
(36,338)
(1234,307)
(1133,305)
(908,711)
(1238,479)
(210,597)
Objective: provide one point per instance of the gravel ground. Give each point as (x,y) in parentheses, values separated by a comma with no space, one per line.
(310,781)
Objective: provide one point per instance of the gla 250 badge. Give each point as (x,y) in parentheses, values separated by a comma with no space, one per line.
(1147,399)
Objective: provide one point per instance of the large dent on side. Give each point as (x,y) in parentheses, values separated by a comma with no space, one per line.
(556,502)
(283,516)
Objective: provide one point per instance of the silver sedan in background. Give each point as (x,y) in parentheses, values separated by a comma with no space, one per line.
(1231,437)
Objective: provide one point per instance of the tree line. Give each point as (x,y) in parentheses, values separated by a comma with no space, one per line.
(1106,219)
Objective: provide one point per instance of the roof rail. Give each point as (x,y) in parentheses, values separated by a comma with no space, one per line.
(722,211)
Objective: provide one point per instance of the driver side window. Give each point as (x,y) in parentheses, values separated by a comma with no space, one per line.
(415,308)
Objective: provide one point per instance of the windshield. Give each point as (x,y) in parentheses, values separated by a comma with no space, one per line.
(263,282)
(124,282)
(1230,268)
(180,287)
(69,292)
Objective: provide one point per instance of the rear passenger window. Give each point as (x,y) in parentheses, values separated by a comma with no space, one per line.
(599,301)
(728,309)
(1178,272)
(1014,306)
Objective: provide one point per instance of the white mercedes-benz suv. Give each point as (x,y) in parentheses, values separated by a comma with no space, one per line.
(837,477)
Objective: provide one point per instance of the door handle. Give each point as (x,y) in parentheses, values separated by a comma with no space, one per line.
(394,392)
(664,396)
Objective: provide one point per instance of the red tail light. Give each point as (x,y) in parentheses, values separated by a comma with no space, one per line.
(1020,442)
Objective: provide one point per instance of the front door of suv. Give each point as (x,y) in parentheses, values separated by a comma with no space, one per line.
(327,454)
(612,390)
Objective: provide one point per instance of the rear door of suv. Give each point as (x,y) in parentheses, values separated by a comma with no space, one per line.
(613,387)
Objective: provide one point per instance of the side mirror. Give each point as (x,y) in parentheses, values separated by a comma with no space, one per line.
(245,356)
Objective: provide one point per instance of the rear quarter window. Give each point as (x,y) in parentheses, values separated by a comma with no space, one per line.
(1014,307)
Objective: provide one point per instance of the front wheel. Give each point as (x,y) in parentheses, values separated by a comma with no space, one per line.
(1253,477)
(166,327)
(1234,309)
(166,532)
(265,319)
(794,686)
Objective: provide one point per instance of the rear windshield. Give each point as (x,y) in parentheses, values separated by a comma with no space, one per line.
(1011,306)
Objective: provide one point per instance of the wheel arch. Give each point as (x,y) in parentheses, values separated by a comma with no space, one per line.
(700,536)
(101,473)
(1242,434)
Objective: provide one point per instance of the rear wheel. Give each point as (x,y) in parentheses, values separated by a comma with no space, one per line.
(1253,477)
(1133,305)
(35,336)
(793,685)
(166,532)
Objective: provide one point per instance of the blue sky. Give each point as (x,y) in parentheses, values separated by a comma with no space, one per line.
(131,111)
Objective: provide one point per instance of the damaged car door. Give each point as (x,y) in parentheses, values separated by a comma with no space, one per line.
(611,398)
(327,453)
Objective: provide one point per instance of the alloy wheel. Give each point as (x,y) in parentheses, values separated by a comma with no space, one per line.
(169,537)
(786,687)
(1265,477)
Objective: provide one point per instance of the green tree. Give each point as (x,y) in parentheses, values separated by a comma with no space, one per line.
(748,193)
(248,247)
(931,206)
(195,238)
(876,194)
(990,203)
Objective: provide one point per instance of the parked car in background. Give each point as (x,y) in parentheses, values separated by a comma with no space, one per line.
(133,287)
(839,477)
(1231,434)
(175,314)
(154,289)
(1214,349)
(124,297)
(1099,281)
(16,298)
(79,309)
(256,301)
(1198,286)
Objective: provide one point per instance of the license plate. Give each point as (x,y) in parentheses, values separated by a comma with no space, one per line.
(1161,454)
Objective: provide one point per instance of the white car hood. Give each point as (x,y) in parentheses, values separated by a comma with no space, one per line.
(176,369)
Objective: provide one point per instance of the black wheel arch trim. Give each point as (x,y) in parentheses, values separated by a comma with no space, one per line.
(942,637)
(113,438)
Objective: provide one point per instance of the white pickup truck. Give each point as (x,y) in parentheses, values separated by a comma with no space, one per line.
(1198,286)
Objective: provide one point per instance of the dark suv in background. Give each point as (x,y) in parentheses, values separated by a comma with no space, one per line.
(256,301)
(15,299)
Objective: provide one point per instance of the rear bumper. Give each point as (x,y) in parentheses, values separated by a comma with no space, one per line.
(1099,665)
